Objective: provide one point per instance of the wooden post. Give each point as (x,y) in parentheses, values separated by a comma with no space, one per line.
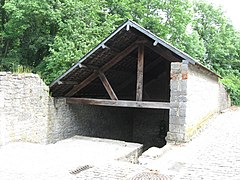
(107,86)
(140,64)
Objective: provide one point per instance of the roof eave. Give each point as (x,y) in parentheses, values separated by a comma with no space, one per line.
(155,39)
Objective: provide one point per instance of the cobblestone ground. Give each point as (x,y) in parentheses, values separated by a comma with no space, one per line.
(216,152)
(212,154)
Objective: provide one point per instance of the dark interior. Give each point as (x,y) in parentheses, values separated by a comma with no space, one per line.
(146,126)
(142,125)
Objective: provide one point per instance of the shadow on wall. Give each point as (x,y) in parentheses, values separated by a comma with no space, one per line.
(146,126)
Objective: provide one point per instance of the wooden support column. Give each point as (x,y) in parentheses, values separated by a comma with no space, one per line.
(131,78)
(107,86)
(140,64)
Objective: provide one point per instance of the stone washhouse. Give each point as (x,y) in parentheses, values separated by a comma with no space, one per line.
(133,86)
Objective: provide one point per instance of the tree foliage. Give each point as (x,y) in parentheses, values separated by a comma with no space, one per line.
(49,36)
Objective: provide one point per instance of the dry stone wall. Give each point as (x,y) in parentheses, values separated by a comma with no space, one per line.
(23,108)
(94,121)
(29,114)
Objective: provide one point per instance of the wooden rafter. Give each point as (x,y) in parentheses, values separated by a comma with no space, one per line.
(140,64)
(104,68)
(119,103)
(166,54)
(95,68)
(67,82)
(107,86)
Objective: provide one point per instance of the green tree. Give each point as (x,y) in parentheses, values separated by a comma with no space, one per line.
(81,26)
(49,36)
(27,32)
(220,38)
(221,41)
(167,19)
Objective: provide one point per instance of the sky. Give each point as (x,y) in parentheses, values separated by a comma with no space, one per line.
(231,8)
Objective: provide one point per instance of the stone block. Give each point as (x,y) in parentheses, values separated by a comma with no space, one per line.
(174,104)
(177,120)
(177,128)
(173,128)
(176,75)
(176,65)
(185,62)
(184,75)
(182,105)
(174,85)
(182,112)
(174,112)
(178,97)
(184,67)
(183,85)
(175,137)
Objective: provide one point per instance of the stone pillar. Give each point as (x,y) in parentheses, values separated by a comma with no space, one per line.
(178,101)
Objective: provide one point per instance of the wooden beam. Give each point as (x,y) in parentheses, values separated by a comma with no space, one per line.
(91,67)
(67,82)
(107,86)
(132,78)
(104,68)
(166,54)
(119,103)
(140,64)
(95,68)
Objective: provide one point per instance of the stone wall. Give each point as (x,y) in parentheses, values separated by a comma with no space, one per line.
(94,121)
(23,108)
(178,102)
(202,98)
(224,98)
(62,121)
(196,95)
(29,114)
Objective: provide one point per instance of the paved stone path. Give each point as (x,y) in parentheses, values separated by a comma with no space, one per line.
(213,154)
(216,153)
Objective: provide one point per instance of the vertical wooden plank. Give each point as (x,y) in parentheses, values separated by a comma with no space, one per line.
(107,86)
(140,64)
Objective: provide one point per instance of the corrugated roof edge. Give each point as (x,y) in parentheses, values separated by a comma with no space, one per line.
(130,23)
